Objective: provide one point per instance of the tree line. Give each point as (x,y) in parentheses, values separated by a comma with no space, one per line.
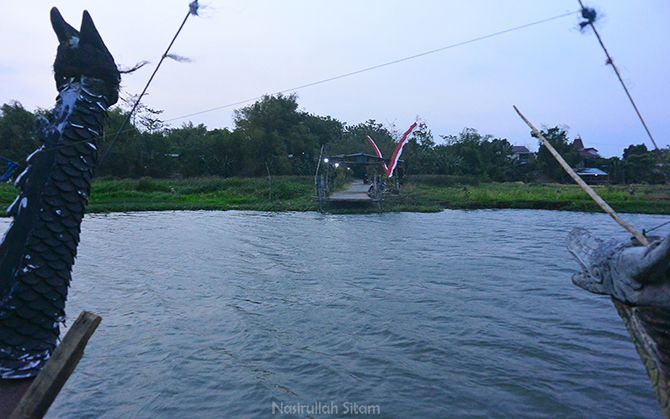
(273,136)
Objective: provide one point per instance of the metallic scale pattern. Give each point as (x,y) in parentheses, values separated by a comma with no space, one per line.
(39,249)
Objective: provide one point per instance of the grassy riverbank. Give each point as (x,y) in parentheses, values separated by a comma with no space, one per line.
(427,193)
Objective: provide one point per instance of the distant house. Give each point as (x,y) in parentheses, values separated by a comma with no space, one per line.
(587,153)
(521,154)
(593,175)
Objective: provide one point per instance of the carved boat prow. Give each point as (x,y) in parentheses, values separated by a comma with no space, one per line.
(637,279)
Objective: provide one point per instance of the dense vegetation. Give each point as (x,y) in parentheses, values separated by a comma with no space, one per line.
(274,137)
(296,193)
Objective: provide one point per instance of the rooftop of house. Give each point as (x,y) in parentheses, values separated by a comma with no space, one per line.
(585,152)
(591,171)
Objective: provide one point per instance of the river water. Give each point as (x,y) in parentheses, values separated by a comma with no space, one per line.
(459,313)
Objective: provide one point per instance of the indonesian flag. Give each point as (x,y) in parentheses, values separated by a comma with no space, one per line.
(398,150)
(379,153)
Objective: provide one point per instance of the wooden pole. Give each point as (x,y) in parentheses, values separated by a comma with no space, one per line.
(317,181)
(318,166)
(267,167)
(48,383)
(589,190)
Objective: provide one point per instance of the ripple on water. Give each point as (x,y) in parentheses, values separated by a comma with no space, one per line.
(460,313)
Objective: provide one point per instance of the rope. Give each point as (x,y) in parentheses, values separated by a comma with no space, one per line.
(589,14)
(655,228)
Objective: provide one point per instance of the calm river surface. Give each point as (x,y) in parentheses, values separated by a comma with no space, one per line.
(459,313)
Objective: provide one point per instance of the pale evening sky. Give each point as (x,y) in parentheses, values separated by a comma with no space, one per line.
(243,49)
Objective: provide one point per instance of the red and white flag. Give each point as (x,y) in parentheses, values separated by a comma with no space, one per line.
(398,150)
(379,153)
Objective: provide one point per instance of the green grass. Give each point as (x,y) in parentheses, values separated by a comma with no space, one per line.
(292,193)
(283,194)
(644,199)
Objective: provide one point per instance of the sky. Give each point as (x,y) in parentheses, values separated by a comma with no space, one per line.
(242,49)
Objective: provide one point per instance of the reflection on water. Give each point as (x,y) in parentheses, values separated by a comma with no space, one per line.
(424,315)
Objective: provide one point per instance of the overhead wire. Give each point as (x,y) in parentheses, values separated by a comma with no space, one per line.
(378,66)
(123,128)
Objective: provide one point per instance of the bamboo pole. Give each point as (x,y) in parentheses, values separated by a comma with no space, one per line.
(610,61)
(48,383)
(589,190)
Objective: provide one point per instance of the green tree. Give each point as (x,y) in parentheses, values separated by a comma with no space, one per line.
(354,139)
(614,167)
(465,148)
(547,164)
(496,156)
(643,166)
(419,152)
(277,137)
(124,157)
(18,136)
(189,147)
(635,149)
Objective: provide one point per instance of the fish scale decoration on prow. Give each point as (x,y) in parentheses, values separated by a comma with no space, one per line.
(637,278)
(38,250)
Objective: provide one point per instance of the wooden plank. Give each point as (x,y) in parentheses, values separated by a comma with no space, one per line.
(11,393)
(48,383)
(357,191)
